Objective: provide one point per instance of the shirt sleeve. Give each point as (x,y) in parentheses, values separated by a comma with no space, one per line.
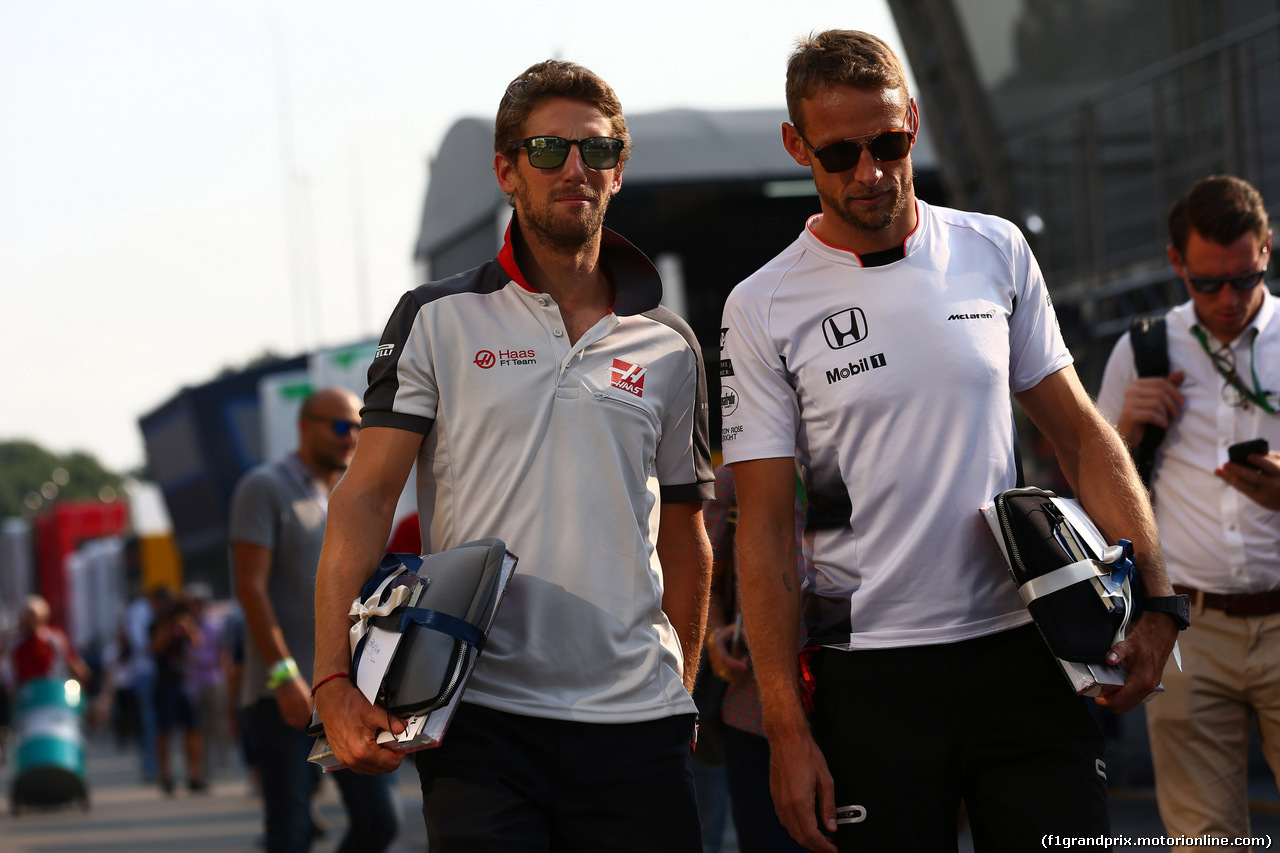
(1036,348)
(255,509)
(683,463)
(1117,376)
(402,390)
(759,410)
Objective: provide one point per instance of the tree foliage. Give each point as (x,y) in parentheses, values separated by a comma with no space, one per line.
(28,470)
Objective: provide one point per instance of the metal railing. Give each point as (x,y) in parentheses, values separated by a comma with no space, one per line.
(1101,173)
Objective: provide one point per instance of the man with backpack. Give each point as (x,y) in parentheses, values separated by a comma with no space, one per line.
(1194,383)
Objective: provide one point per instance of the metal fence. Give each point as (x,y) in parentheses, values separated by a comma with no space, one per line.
(1097,177)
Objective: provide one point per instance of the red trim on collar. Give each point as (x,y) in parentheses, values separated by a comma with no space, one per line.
(507,260)
(809,227)
(637,286)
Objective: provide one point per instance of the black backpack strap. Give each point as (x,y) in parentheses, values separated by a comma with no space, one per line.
(1150,344)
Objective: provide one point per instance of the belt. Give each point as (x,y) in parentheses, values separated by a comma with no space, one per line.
(1235,604)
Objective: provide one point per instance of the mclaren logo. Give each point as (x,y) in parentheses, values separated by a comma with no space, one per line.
(845,328)
(987,316)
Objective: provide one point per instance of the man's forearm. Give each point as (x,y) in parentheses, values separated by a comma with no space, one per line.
(252,564)
(770,589)
(685,554)
(355,536)
(1113,495)
(770,594)
(1099,468)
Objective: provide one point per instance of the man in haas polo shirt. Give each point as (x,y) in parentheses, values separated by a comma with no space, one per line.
(549,401)
(880,349)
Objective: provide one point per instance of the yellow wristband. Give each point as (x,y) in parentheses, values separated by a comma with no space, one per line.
(284,670)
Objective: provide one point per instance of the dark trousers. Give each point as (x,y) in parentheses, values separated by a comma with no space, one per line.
(289,780)
(754,817)
(504,783)
(908,732)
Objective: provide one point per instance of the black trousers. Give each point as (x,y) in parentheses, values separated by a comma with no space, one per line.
(908,732)
(504,783)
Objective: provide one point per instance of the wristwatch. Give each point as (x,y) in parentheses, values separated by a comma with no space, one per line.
(1177,607)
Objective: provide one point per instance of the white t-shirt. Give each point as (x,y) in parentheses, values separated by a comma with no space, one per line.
(891,385)
(1214,537)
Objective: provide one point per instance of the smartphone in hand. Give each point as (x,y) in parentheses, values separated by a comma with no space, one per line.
(1240,453)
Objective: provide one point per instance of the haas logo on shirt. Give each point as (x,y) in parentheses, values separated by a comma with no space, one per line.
(628,377)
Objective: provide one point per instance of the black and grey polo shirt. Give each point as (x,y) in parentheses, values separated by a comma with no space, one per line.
(565,452)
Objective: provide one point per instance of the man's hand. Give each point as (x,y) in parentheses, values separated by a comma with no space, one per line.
(351,725)
(725,666)
(802,789)
(1154,400)
(1260,486)
(294,699)
(1145,650)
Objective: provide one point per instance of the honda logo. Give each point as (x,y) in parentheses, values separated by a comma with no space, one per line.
(845,328)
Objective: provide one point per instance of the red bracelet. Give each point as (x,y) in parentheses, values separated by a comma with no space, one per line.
(322,682)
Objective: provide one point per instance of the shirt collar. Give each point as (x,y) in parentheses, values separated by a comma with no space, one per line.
(878,258)
(637,285)
(1260,321)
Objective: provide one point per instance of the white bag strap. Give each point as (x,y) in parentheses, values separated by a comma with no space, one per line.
(1058,579)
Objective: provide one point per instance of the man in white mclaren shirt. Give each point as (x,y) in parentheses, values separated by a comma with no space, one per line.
(881,349)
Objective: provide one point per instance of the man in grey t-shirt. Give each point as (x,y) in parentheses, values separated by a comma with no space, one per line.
(278,516)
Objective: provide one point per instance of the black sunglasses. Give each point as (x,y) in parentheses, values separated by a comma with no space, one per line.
(341,427)
(550,152)
(886,146)
(1243,283)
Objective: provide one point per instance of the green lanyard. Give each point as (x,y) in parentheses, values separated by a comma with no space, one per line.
(1257,396)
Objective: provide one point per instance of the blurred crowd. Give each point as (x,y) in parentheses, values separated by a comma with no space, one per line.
(162,686)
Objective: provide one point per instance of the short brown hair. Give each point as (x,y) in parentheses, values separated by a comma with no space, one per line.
(554,78)
(1221,209)
(840,57)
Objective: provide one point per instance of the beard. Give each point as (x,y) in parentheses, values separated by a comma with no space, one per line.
(870,220)
(332,461)
(566,231)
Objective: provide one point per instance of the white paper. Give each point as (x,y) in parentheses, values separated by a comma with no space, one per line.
(379,647)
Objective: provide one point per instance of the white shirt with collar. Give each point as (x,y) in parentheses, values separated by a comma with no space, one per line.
(1215,538)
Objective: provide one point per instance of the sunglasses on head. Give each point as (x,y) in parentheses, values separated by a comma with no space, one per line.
(886,146)
(550,152)
(341,427)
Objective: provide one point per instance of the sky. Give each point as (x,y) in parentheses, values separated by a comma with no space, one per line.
(186,185)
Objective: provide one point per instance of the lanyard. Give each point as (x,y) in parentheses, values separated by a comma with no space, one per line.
(1256,395)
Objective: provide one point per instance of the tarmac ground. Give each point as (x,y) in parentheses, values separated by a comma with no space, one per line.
(128,815)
